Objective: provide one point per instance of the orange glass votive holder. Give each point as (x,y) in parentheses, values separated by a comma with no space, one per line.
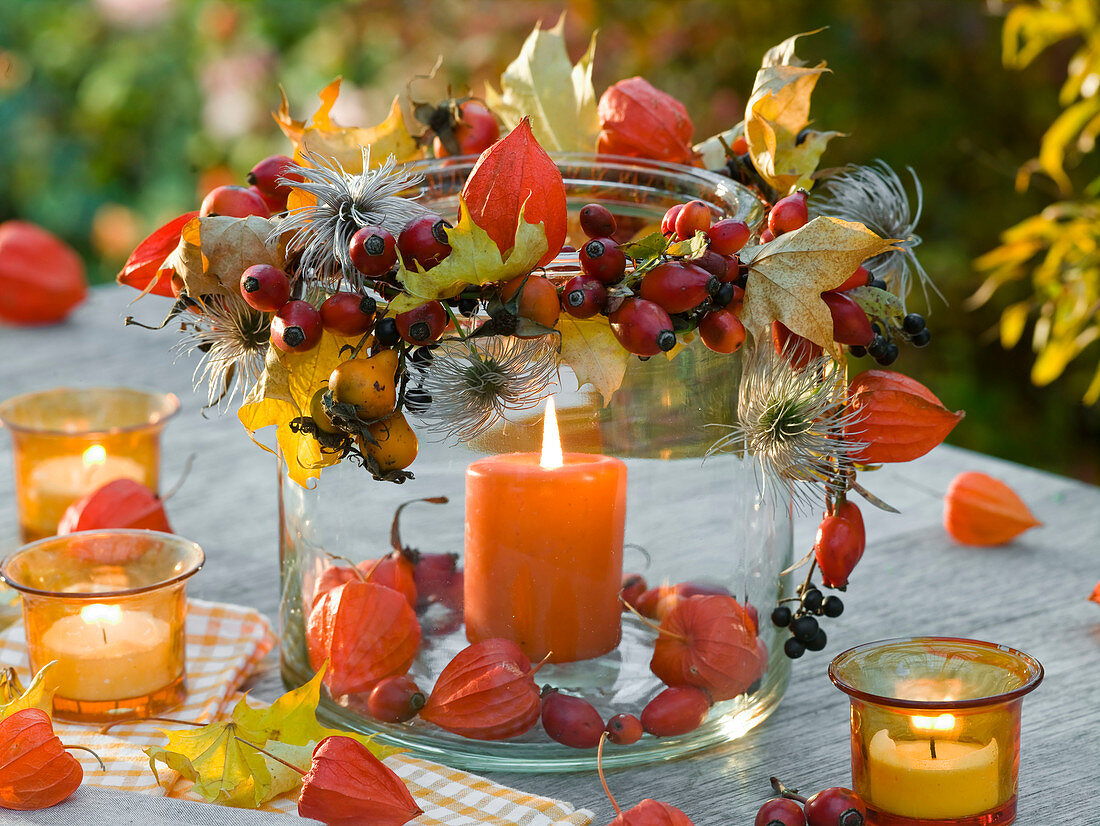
(70,441)
(107,608)
(936,728)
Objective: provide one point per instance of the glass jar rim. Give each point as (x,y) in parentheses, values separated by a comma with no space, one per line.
(163,406)
(1033,670)
(198,559)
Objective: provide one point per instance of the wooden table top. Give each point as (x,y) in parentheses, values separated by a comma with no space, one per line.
(913,580)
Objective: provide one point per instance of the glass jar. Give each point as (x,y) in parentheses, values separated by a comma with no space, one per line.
(936,728)
(703,523)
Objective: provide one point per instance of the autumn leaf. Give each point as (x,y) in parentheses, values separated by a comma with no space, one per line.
(788,275)
(283,394)
(39,694)
(226,770)
(776,115)
(590,348)
(215,250)
(144,269)
(323,136)
(558,97)
(292,719)
(474,259)
(1095,595)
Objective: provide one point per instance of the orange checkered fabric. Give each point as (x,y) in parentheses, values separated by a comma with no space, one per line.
(225,643)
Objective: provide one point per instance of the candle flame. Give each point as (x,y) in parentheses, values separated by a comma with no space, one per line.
(100,614)
(551,439)
(95,455)
(933,725)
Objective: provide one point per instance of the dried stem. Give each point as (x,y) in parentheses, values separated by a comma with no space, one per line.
(603,780)
(99,759)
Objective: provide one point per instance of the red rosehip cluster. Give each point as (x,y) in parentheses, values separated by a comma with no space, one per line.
(832,807)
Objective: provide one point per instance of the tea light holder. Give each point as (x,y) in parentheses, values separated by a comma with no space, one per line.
(69,441)
(936,728)
(108,608)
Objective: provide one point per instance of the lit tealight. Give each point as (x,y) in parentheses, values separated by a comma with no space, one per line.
(101,614)
(95,455)
(939,724)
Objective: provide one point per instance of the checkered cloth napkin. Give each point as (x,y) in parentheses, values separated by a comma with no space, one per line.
(224,644)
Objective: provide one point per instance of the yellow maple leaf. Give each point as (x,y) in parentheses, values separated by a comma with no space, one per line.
(39,694)
(556,95)
(777,112)
(324,136)
(283,394)
(591,350)
(292,719)
(215,250)
(228,771)
(788,275)
(474,259)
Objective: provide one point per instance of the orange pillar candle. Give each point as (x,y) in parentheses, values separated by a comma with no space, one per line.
(544,550)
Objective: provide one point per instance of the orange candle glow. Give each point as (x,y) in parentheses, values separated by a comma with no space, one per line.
(544,550)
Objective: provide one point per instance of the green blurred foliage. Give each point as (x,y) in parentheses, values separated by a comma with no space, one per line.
(115,113)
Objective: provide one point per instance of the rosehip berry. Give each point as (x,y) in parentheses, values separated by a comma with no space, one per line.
(780,811)
(423,242)
(675,711)
(835,807)
(722,331)
(234,202)
(837,550)
(422,324)
(297,327)
(693,218)
(597,221)
(781,616)
(571,721)
(539,300)
(789,213)
(602,258)
(373,251)
(668,222)
(860,278)
(850,323)
(348,314)
(739,146)
(799,351)
(395,700)
(634,585)
(766,236)
(268,177)
(475,130)
(583,296)
(624,729)
(714,263)
(642,327)
(677,286)
(728,236)
(849,511)
(265,287)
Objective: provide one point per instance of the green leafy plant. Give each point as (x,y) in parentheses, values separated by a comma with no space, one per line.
(1058,250)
